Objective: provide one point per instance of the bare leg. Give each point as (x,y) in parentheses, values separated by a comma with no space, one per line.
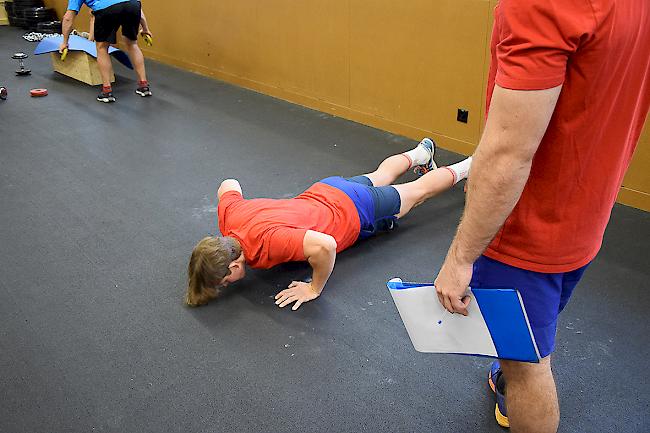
(389,170)
(531,398)
(417,192)
(135,54)
(104,62)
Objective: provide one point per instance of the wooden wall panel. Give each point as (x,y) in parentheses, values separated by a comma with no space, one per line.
(417,62)
(310,44)
(636,185)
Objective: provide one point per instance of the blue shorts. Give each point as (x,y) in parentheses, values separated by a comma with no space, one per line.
(376,205)
(544,295)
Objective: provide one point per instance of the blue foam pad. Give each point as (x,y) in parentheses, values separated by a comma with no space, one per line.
(77,43)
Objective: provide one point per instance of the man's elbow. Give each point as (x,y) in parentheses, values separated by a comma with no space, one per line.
(514,153)
(329,244)
(323,248)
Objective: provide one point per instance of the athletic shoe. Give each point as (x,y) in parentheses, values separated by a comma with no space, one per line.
(430,146)
(498,386)
(106,97)
(143,91)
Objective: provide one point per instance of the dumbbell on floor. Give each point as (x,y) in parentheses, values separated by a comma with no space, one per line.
(21,58)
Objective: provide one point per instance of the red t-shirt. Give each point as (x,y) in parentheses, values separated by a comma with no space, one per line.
(271,231)
(600,51)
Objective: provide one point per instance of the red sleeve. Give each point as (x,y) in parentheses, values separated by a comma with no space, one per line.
(226,202)
(285,244)
(536,38)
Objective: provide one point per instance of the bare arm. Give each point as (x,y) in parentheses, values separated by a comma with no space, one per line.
(91,29)
(320,252)
(143,23)
(516,124)
(66,25)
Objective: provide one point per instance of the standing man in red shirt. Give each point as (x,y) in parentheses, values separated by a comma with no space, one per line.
(569,90)
(314,226)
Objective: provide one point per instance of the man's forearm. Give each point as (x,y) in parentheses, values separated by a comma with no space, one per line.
(143,22)
(66,26)
(322,264)
(497,181)
(91,28)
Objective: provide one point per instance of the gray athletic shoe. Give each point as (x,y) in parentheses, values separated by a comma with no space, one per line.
(106,97)
(143,91)
(430,147)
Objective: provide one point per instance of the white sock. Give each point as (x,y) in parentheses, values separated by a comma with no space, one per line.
(460,170)
(417,156)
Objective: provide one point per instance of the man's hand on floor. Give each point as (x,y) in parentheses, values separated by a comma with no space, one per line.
(298,292)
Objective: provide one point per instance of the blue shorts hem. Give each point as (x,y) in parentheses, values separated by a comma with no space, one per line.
(544,295)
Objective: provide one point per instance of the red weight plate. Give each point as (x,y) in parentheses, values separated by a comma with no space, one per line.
(38,92)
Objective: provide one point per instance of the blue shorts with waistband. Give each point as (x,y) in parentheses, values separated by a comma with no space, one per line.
(377,205)
(544,295)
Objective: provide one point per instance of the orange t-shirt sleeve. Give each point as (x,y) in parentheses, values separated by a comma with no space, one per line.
(226,203)
(536,39)
(285,244)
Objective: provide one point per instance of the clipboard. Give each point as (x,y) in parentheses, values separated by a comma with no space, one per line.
(496,325)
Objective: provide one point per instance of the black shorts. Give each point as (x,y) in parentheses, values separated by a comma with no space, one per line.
(125,15)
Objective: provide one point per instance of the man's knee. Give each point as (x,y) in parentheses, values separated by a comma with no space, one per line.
(103,46)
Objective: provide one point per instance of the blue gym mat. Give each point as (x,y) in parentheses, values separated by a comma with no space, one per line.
(77,43)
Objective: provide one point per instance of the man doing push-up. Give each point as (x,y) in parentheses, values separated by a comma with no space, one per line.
(324,220)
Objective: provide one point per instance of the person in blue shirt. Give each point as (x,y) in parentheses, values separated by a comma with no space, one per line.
(110,15)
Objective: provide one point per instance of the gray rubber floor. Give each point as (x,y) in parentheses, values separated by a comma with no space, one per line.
(100,206)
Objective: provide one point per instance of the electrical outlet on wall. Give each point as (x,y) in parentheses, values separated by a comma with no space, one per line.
(462,115)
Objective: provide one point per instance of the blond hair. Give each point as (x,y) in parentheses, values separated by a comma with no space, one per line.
(208,266)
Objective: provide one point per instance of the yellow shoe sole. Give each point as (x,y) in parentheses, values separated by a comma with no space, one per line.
(502,420)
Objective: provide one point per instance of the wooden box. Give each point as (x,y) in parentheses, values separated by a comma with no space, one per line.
(80,66)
